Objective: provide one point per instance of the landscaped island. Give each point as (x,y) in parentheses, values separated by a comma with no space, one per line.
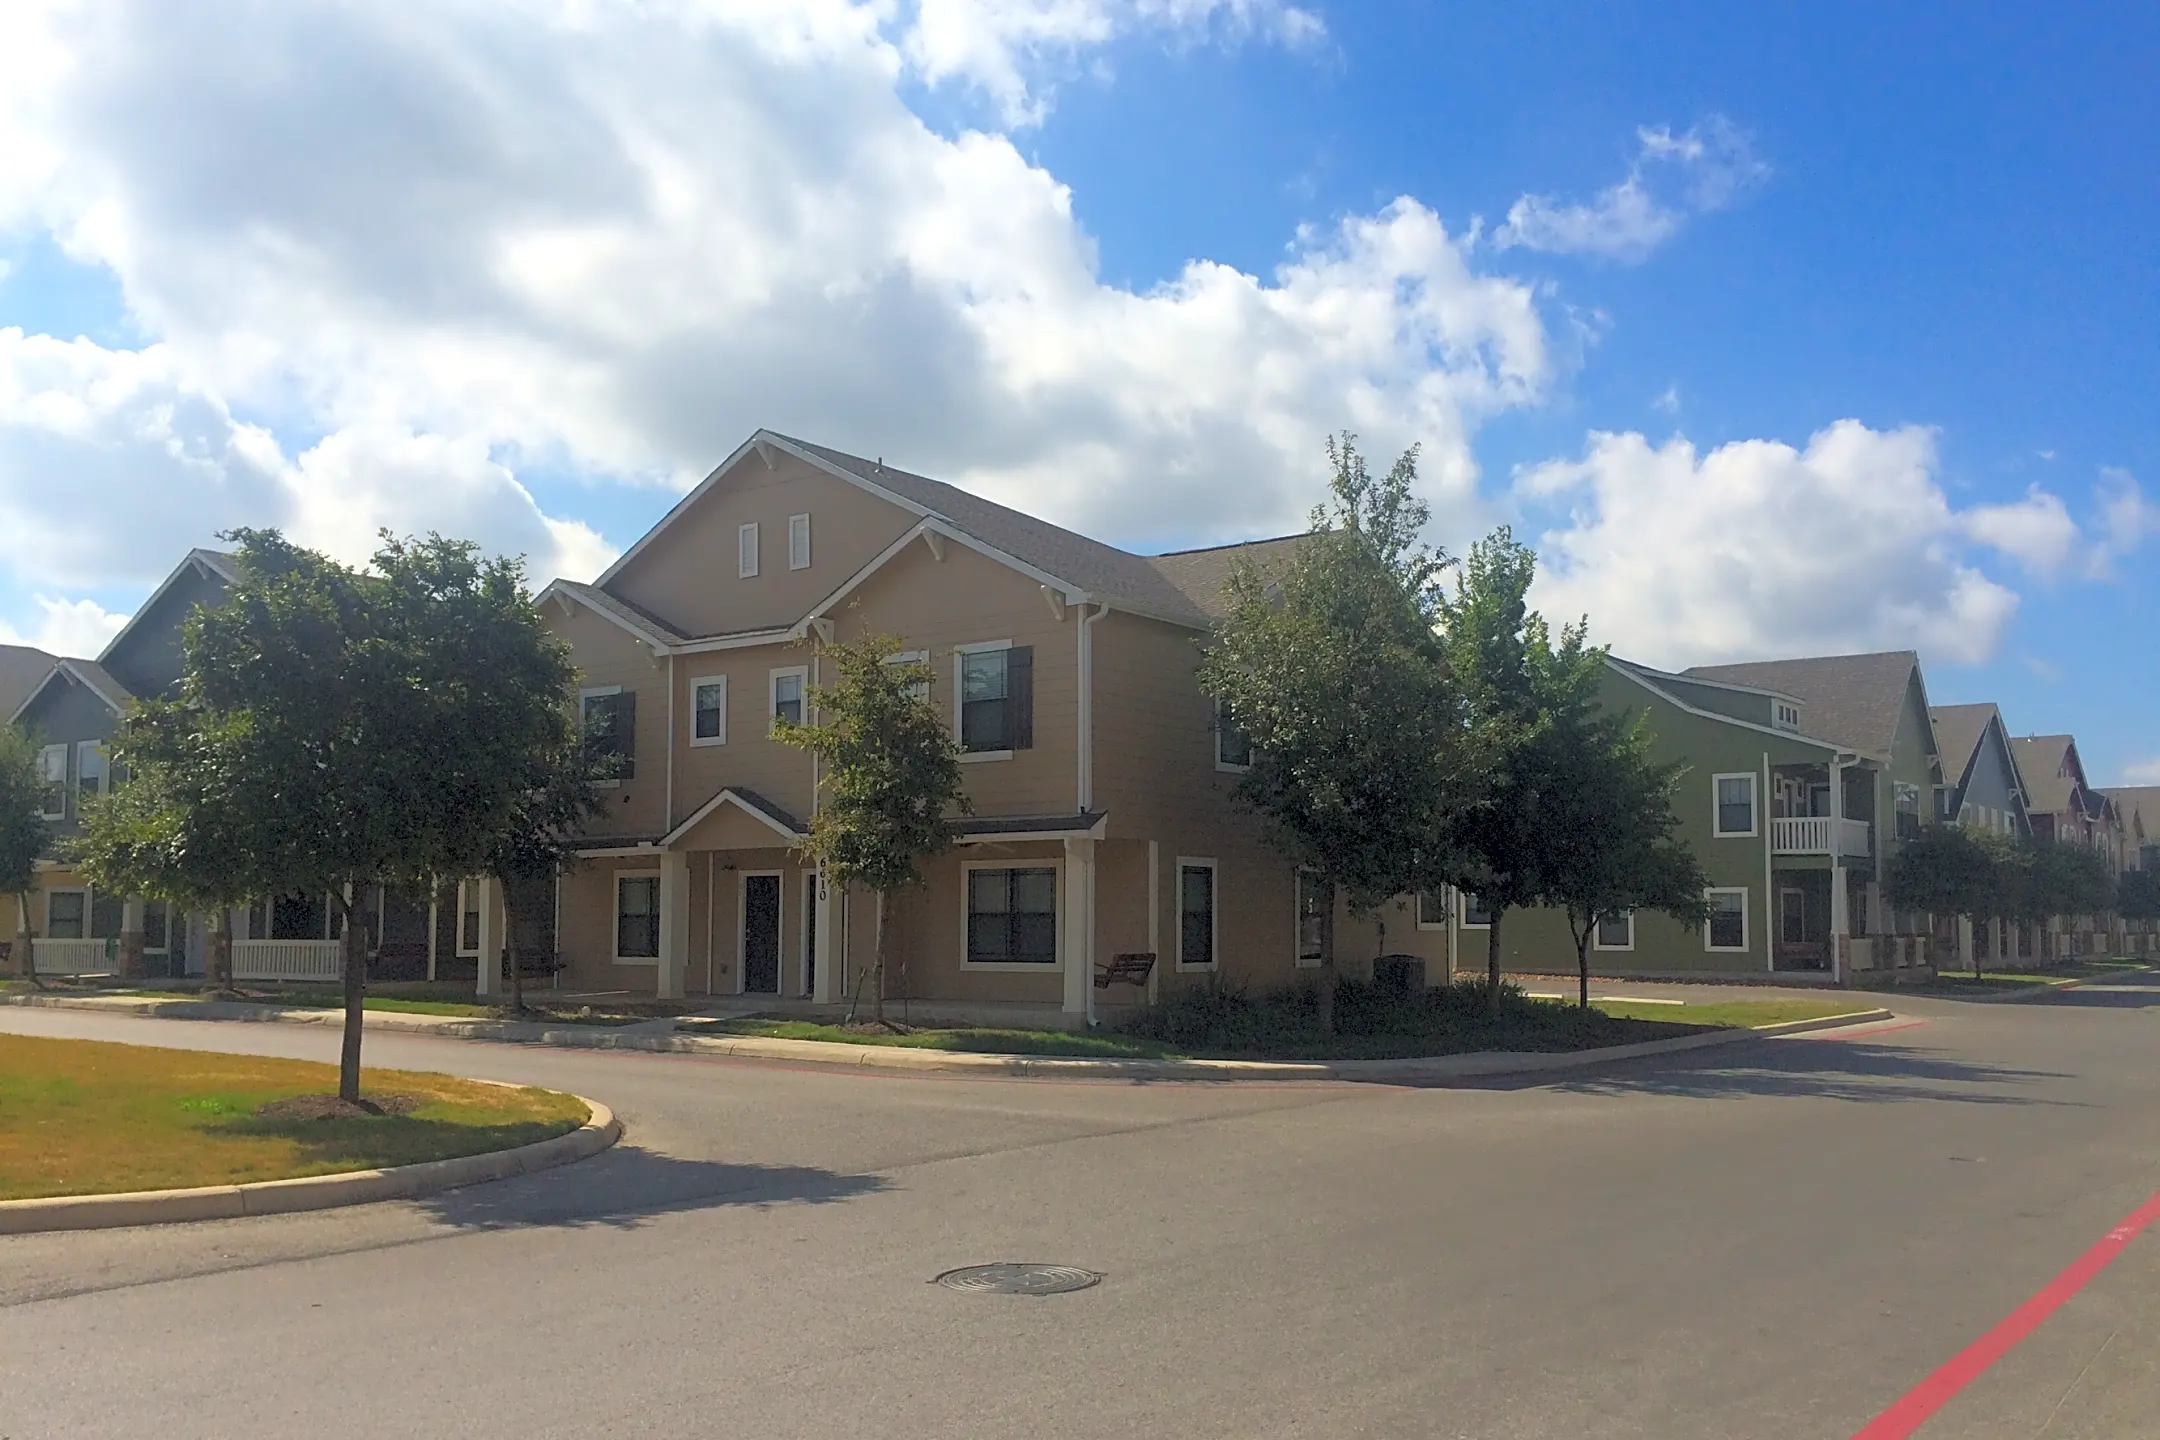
(84,1117)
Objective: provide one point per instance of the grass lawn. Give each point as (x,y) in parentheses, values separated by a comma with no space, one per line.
(1100,1044)
(406,998)
(1738,1012)
(1960,982)
(80,1117)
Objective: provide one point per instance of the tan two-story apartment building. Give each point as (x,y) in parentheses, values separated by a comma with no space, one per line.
(1101,783)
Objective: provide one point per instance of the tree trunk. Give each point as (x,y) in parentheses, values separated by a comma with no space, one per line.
(877,994)
(1972,952)
(1582,964)
(353,953)
(517,973)
(217,951)
(1326,996)
(25,954)
(1492,960)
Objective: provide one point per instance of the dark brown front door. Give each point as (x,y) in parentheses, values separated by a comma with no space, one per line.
(761,934)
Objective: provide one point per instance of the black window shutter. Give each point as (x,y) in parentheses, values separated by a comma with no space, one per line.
(625,736)
(1020,695)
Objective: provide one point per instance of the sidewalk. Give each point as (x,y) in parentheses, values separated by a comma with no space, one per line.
(658,1036)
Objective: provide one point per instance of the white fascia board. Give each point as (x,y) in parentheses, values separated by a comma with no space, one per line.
(725,797)
(556,589)
(1677,703)
(196,560)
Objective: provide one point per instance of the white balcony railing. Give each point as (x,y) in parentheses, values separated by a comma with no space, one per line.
(1812,834)
(74,957)
(285,960)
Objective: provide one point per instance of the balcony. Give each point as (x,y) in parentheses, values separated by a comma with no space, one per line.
(1813,835)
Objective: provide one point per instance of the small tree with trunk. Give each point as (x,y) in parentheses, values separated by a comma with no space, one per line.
(1522,687)
(888,781)
(2069,880)
(1612,841)
(2137,895)
(541,840)
(1952,870)
(1329,666)
(24,833)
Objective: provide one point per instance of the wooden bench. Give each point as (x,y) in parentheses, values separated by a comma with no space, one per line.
(1132,969)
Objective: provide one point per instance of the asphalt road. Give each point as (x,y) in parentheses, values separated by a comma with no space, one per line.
(1777,1239)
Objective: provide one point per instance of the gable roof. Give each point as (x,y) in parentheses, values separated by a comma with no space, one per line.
(635,618)
(1854,700)
(2139,806)
(86,673)
(2042,759)
(23,669)
(1657,683)
(1201,575)
(221,563)
(1959,731)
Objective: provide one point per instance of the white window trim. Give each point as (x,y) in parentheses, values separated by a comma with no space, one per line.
(457,925)
(1717,810)
(82,890)
(798,524)
(1746,924)
(697,684)
(615,914)
(772,694)
(1015,967)
(1417,908)
(742,934)
(959,703)
(1597,941)
(1214,869)
(104,769)
(747,549)
(1462,914)
(1297,921)
(593,692)
(1221,764)
(913,657)
(45,778)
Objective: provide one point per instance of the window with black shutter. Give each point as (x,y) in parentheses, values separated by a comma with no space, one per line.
(997,699)
(610,720)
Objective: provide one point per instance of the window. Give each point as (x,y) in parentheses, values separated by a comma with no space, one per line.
(787,695)
(921,688)
(1432,909)
(468,911)
(798,542)
(1735,795)
(1196,914)
(89,771)
(996,685)
(67,914)
(637,917)
(1616,932)
(746,551)
(609,715)
(708,710)
(1474,914)
(1315,920)
(1727,928)
(1788,716)
(156,927)
(1233,747)
(52,777)
(1012,916)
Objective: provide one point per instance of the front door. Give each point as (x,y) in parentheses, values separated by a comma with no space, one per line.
(761,934)
(809,933)
(1792,916)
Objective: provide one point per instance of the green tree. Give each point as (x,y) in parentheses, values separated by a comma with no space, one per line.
(337,730)
(2068,881)
(1612,846)
(135,839)
(23,831)
(1523,689)
(1952,870)
(1329,665)
(888,778)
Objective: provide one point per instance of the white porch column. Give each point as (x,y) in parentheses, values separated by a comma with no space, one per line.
(1078,922)
(674,923)
(491,935)
(824,983)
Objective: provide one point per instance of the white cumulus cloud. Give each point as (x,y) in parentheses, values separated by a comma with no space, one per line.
(2037,530)
(1706,167)
(1757,549)
(66,627)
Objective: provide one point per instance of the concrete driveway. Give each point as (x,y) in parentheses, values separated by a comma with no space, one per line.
(1777,1239)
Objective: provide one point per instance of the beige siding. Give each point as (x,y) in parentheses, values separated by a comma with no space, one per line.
(751,759)
(688,574)
(606,654)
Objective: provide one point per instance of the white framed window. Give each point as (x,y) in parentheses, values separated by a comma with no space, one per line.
(1788,716)
(52,781)
(468,917)
(1473,915)
(798,542)
(1616,932)
(1732,806)
(1009,916)
(637,916)
(89,770)
(708,710)
(1727,928)
(67,913)
(608,713)
(989,698)
(1233,747)
(746,551)
(921,688)
(157,927)
(1196,913)
(784,695)
(1315,920)
(1432,909)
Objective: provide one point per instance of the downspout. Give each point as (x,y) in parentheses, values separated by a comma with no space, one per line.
(668,802)
(1769,895)
(1086,785)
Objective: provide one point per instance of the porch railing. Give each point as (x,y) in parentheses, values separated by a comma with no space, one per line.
(285,960)
(1812,834)
(74,957)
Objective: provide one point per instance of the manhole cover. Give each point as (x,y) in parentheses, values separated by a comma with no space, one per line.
(1013,1277)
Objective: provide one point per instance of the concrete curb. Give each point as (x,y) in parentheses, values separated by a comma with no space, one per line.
(893,1057)
(309,1192)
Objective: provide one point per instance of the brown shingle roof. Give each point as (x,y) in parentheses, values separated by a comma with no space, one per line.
(2040,760)
(1851,700)
(21,668)
(1959,729)
(2139,806)
(1202,574)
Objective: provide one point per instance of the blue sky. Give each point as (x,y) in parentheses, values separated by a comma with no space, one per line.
(1615,267)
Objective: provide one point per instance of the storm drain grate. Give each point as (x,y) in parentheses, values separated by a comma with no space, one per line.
(1014,1277)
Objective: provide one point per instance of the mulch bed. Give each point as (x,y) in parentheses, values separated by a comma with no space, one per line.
(330,1107)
